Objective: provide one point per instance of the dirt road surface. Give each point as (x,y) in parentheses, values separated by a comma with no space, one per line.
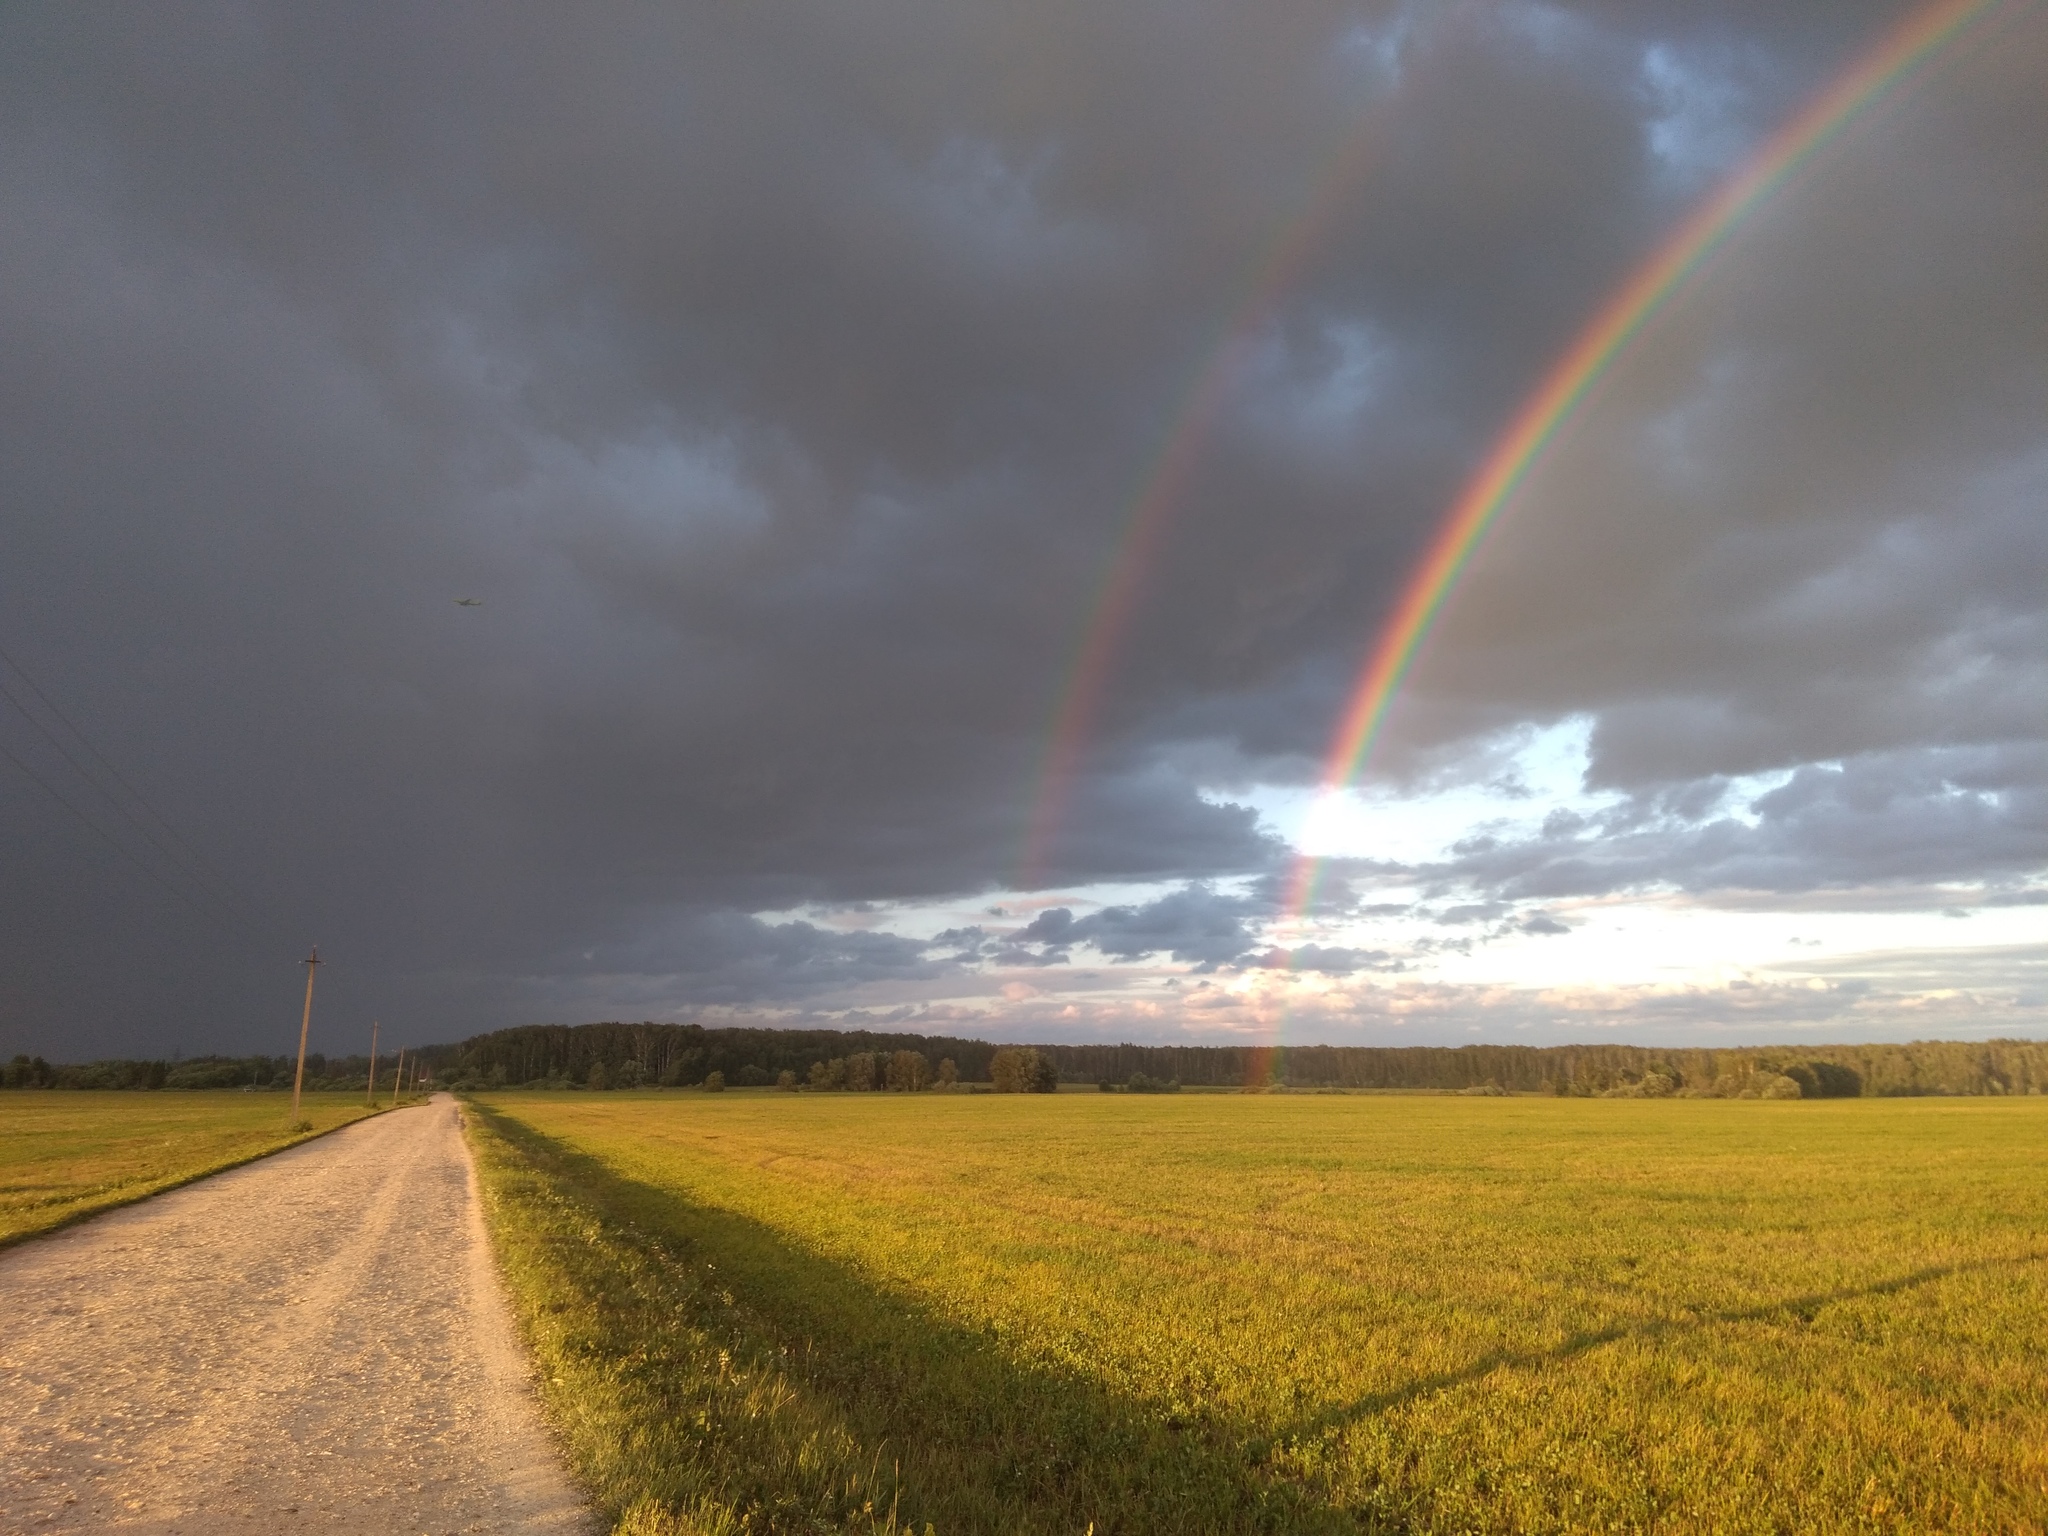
(315,1342)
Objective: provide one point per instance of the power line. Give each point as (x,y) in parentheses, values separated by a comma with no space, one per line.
(127,815)
(222,908)
(118,777)
(98,831)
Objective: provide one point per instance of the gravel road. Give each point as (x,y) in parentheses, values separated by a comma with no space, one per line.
(314,1342)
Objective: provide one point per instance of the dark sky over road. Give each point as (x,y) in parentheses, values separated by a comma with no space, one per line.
(781,378)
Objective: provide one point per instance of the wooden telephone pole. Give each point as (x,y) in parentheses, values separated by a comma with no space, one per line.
(370,1097)
(305,1019)
(399,1079)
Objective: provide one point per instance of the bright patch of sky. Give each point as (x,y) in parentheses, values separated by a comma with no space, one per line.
(1545,772)
(1653,940)
(1578,955)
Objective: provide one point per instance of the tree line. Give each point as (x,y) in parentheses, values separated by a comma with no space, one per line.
(611,1056)
(324,1074)
(685,1055)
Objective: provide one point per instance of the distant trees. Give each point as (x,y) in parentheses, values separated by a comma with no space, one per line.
(679,1055)
(872,1072)
(1825,1079)
(1651,1085)
(908,1072)
(683,1055)
(786,1080)
(1023,1069)
(323,1073)
(827,1075)
(29,1072)
(714,1082)
(1138,1082)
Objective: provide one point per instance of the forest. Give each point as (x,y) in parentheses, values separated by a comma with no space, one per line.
(613,1056)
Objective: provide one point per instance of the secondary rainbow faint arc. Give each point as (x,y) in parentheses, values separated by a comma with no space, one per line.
(1874,75)
(1166,477)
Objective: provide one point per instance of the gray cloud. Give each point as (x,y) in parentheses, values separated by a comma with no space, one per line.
(1193,925)
(781,378)
(1802,521)
(1323,960)
(1915,818)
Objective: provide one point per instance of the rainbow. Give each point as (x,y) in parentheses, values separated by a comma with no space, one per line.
(1166,476)
(1875,74)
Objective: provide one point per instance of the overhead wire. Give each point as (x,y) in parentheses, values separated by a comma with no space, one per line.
(194,853)
(250,918)
(113,800)
(99,831)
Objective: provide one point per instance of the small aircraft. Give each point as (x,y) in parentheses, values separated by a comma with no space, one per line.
(469,602)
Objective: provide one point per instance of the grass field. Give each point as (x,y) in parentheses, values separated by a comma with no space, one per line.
(1218,1313)
(64,1155)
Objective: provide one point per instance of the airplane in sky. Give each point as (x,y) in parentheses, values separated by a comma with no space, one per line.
(469,602)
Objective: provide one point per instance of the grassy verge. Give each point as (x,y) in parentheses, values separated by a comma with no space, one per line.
(65,1156)
(787,1313)
(711,1376)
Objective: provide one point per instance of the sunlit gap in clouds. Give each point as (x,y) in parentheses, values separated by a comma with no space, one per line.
(1494,890)
(1512,782)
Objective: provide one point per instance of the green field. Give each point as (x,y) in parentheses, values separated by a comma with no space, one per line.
(64,1155)
(784,1312)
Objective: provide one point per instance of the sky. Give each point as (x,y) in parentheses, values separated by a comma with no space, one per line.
(787,381)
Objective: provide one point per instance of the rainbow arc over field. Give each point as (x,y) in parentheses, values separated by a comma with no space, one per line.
(1167,475)
(1875,75)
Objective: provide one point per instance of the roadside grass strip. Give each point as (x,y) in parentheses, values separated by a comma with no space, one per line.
(710,1375)
(66,1155)
(794,1313)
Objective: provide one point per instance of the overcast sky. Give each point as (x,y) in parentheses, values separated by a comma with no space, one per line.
(781,378)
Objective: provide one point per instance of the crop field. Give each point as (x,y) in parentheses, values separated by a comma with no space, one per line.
(65,1155)
(795,1312)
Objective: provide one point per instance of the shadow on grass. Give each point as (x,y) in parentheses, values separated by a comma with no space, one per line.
(1804,1308)
(712,1375)
(700,1361)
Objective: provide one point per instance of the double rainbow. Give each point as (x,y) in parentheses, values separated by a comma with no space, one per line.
(1166,476)
(1876,74)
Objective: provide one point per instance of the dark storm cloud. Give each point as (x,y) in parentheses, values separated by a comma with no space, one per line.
(1915,819)
(1803,521)
(778,376)
(732,958)
(1194,925)
(1323,960)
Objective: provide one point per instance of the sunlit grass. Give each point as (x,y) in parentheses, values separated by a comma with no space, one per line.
(64,1155)
(793,1312)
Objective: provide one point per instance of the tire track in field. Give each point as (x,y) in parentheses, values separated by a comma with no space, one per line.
(314,1342)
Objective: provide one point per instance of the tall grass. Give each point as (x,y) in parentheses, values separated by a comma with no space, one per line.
(65,1156)
(788,1313)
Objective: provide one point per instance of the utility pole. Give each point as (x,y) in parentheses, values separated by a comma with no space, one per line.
(370,1095)
(305,1019)
(396,1081)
